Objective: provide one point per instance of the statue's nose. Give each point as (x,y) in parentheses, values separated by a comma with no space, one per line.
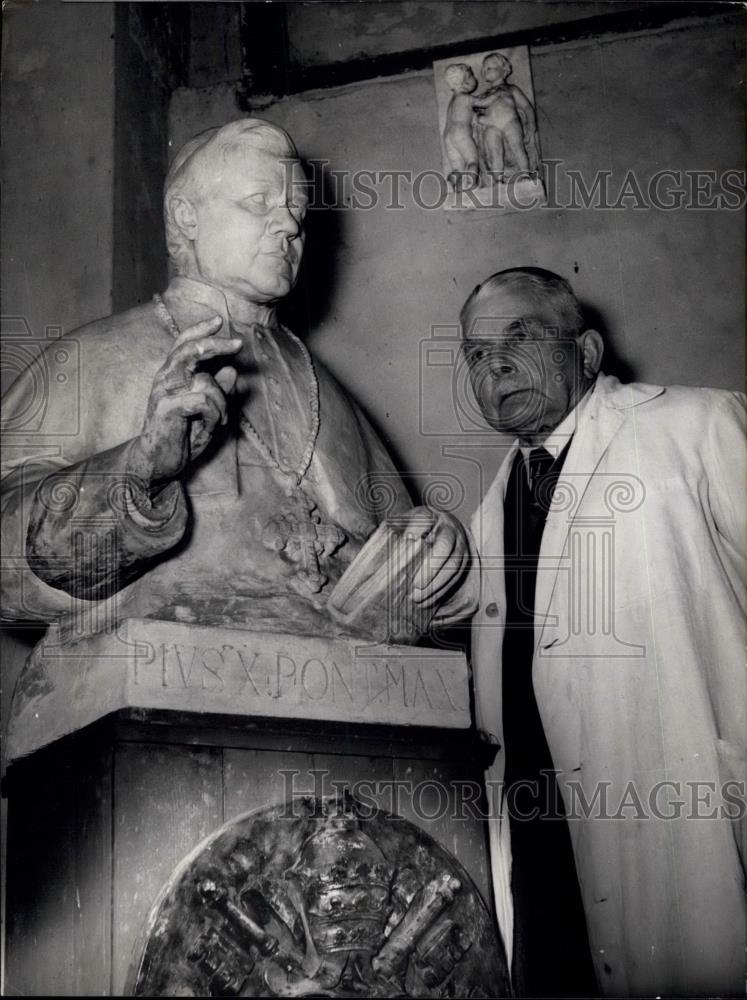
(283,221)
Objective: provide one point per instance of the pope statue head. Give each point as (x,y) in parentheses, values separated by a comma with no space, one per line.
(234,204)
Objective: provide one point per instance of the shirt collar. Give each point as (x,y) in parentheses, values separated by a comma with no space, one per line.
(557,439)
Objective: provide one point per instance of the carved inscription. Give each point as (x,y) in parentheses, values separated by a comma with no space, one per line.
(253,675)
(149,664)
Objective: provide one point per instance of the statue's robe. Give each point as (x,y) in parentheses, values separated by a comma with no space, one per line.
(81,540)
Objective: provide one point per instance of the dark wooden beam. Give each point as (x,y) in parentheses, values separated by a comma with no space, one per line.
(267,68)
(264,46)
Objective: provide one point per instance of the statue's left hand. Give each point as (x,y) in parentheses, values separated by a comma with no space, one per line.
(447,553)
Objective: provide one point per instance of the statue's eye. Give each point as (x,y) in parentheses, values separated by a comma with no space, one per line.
(256,202)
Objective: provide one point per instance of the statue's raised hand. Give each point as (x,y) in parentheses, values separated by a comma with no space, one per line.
(185,404)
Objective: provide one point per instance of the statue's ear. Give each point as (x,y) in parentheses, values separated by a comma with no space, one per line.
(184,215)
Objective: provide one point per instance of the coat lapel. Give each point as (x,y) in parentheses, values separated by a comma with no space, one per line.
(607,411)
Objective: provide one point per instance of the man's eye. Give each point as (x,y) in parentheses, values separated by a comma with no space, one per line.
(518,331)
(298,210)
(479,354)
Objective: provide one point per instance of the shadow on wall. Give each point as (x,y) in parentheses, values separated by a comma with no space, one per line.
(307,306)
(311,303)
(613,363)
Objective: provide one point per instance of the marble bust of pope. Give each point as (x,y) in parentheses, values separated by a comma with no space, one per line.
(214,472)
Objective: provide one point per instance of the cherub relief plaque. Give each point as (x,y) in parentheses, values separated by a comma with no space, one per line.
(488,127)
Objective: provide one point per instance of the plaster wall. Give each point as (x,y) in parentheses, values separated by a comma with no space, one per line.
(151,44)
(58,159)
(667,285)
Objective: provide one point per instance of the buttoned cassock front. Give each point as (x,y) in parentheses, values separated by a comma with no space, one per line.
(640,681)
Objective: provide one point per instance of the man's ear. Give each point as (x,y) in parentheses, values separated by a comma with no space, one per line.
(592,349)
(184,215)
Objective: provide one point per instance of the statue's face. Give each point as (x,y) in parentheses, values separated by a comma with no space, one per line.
(249,224)
(525,373)
(494,71)
(469,83)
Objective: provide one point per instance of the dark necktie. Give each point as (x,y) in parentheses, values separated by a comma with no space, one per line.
(551,955)
(541,478)
(538,463)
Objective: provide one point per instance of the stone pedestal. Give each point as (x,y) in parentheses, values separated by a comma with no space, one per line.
(128,749)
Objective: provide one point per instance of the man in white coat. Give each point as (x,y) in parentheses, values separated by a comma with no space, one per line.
(632,693)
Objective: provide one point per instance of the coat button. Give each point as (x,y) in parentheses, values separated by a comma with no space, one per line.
(492,610)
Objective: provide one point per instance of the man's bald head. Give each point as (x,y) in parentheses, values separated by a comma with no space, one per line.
(537,286)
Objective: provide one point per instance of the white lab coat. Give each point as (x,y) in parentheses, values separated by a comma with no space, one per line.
(639,677)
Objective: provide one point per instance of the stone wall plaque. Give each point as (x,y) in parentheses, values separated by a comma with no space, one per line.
(153,664)
(487,122)
(323,898)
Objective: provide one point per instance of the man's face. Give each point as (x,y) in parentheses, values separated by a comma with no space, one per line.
(526,375)
(249,235)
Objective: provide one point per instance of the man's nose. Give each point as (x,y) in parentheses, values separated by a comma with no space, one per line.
(284,221)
